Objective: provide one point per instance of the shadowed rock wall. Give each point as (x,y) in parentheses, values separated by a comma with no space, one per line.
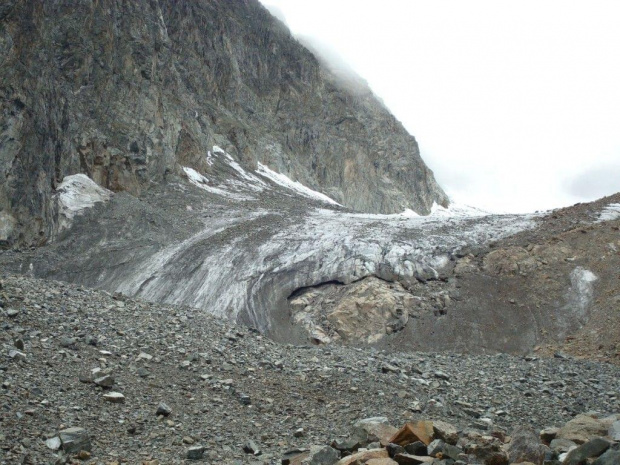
(127,92)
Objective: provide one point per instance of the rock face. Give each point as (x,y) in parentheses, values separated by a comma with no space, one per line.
(128,92)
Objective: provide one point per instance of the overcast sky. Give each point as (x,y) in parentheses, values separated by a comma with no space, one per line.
(515,104)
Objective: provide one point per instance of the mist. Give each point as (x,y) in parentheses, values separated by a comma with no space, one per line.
(596,182)
(515,106)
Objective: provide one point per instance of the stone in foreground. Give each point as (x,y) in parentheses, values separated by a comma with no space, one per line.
(412,432)
(163,409)
(114,397)
(590,449)
(195,453)
(364,456)
(74,440)
(372,430)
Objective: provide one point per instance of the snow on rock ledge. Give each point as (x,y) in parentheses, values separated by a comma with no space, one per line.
(294,186)
(76,194)
(609,213)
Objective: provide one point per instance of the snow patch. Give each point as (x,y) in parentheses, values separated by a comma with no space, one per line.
(295,186)
(409,213)
(609,213)
(239,183)
(7,226)
(254,182)
(456,210)
(581,291)
(202,182)
(76,194)
(195,177)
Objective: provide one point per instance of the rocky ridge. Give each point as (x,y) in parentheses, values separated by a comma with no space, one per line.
(193,386)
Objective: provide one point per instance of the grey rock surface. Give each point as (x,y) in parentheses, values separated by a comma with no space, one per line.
(74,440)
(614,431)
(324,389)
(593,448)
(611,457)
(525,447)
(129,92)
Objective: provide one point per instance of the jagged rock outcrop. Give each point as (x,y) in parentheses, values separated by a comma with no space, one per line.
(364,311)
(128,92)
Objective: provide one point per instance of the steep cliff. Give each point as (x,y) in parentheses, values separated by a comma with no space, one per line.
(128,92)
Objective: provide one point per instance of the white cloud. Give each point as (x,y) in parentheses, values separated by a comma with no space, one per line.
(509,101)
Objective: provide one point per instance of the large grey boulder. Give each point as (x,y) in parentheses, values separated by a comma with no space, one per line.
(590,449)
(525,447)
(74,440)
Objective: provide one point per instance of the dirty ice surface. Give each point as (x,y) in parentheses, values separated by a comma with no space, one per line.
(610,212)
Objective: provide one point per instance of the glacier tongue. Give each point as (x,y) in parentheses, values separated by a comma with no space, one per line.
(298,268)
(245,268)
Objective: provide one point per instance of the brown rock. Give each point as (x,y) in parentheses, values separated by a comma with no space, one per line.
(526,447)
(582,428)
(367,310)
(446,432)
(511,260)
(381,462)
(414,431)
(489,452)
(548,434)
(364,457)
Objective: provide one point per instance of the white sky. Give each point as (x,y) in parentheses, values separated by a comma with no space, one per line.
(515,104)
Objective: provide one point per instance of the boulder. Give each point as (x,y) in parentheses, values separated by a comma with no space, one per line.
(562,445)
(548,434)
(295,457)
(584,427)
(114,397)
(74,440)
(489,453)
(416,448)
(446,432)
(195,453)
(364,456)
(367,310)
(321,455)
(408,459)
(250,447)
(373,429)
(525,447)
(163,409)
(381,462)
(105,381)
(414,431)
(590,449)
(611,457)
